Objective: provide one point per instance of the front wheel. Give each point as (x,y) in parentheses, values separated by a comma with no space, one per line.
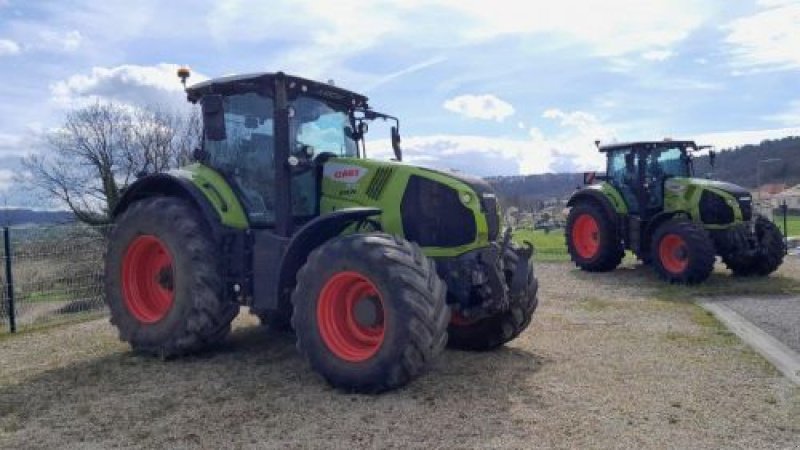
(494,331)
(369,312)
(765,258)
(682,252)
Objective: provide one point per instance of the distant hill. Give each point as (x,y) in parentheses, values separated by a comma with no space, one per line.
(781,164)
(13,216)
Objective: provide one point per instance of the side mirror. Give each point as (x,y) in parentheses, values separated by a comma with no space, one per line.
(398,152)
(213,117)
(589,177)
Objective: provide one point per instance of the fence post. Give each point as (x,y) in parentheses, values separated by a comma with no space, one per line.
(12,320)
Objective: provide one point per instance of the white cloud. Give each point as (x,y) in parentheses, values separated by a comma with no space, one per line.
(11,144)
(6,178)
(609,27)
(730,139)
(769,39)
(319,37)
(59,42)
(486,107)
(128,84)
(8,47)
(571,148)
(657,55)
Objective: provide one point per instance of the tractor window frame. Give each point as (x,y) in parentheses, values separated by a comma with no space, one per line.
(246,158)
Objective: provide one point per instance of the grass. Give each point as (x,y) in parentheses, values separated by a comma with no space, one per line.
(549,246)
(792,222)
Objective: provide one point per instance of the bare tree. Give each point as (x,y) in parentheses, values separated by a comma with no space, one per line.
(101,149)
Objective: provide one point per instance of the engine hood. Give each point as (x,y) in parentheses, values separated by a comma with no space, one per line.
(479,185)
(730,188)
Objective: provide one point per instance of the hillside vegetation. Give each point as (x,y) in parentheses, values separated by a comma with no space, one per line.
(736,165)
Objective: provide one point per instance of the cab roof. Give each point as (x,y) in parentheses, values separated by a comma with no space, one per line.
(296,85)
(646,145)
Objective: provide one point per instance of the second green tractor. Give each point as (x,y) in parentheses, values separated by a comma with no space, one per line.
(650,203)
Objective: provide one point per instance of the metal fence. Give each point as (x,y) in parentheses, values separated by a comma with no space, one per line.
(50,275)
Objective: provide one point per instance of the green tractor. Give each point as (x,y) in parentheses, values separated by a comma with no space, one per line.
(648,202)
(374,265)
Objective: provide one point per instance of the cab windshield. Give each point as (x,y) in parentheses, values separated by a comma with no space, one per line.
(669,162)
(321,126)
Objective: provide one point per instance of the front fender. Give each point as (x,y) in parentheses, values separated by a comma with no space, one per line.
(306,239)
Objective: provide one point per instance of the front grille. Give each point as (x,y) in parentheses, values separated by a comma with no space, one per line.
(714,210)
(379,182)
(489,208)
(433,215)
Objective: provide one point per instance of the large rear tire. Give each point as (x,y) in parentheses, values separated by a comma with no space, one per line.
(369,312)
(682,252)
(162,279)
(592,239)
(492,332)
(768,256)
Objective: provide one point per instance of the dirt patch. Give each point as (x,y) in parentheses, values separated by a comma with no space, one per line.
(610,361)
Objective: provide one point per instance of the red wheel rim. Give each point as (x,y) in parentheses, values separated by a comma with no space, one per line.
(673,253)
(350,316)
(586,236)
(148,279)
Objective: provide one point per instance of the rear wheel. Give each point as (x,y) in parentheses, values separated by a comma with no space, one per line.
(592,239)
(682,252)
(369,312)
(163,285)
(767,257)
(494,331)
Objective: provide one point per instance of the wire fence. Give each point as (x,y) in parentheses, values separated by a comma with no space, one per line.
(51,275)
(56,272)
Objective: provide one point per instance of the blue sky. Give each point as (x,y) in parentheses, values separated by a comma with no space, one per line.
(488,87)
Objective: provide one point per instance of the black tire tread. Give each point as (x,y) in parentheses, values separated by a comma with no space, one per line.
(208,320)
(611,250)
(418,286)
(767,259)
(702,254)
(495,331)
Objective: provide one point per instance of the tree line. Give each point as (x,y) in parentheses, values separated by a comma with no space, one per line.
(770,162)
(100,149)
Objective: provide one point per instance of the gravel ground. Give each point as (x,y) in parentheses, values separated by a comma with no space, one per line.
(612,360)
(778,316)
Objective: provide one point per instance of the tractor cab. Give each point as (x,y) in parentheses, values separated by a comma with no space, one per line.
(640,170)
(266,132)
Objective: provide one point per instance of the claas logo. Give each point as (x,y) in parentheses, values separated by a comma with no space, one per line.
(346,173)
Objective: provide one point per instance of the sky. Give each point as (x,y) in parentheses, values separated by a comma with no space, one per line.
(487,87)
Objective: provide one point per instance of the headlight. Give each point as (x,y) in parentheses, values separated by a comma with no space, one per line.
(466,198)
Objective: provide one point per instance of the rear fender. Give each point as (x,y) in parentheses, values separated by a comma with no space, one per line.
(164,184)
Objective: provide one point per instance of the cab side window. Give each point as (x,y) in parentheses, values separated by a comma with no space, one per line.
(247,155)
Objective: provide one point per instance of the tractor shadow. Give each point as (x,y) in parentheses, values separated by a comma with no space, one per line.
(256,383)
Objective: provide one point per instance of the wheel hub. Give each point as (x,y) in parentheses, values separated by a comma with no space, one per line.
(367,312)
(351,316)
(148,280)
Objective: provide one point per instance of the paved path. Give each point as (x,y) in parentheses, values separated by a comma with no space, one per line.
(771,325)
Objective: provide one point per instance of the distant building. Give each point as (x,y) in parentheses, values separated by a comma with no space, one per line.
(791,196)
